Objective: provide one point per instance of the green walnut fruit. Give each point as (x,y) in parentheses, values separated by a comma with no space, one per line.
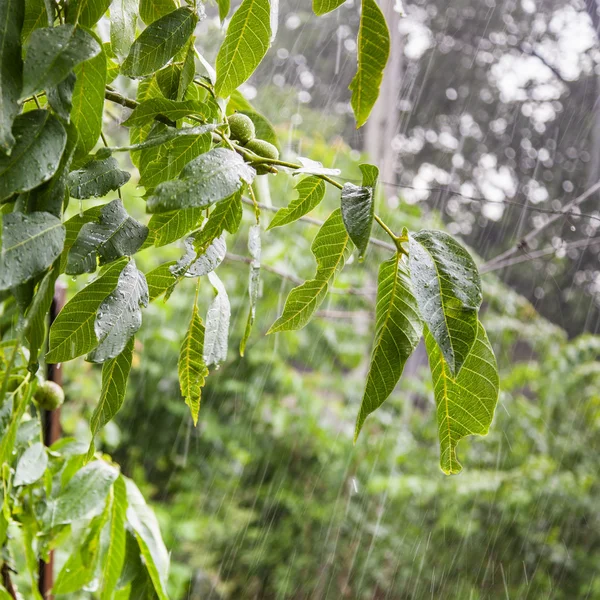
(241,128)
(49,395)
(264,149)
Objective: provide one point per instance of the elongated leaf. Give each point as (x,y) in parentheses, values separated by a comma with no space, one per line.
(254,248)
(358,208)
(114,383)
(162,134)
(147,88)
(206,262)
(11,68)
(36,15)
(123,20)
(40,140)
(191,367)
(245,44)
(149,109)
(115,235)
(166,162)
(159,42)
(171,226)
(397,332)
(119,316)
(72,333)
(160,280)
(373,51)
(84,495)
(226,216)
(311,191)
(115,553)
(88,101)
(465,403)
(322,7)
(30,244)
(144,524)
(217,324)
(96,178)
(52,53)
(331,247)
(60,97)
(31,465)
(211,177)
(151,10)
(447,287)
(86,12)
(224,6)
(73,227)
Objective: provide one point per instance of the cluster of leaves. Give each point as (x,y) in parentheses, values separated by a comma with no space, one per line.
(56,74)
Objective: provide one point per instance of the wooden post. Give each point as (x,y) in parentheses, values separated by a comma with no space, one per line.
(51,423)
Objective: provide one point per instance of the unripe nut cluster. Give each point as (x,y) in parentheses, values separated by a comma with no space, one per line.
(242,130)
(49,395)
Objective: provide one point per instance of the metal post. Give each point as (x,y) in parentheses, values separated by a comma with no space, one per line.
(51,423)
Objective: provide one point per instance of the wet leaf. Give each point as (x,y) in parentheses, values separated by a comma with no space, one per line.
(96,178)
(254,249)
(119,316)
(373,51)
(311,190)
(60,97)
(72,333)
(114,235)
(123,21)
(30,244)
(148,110)
(465,403)
(40,142)
(331,247)
(159,280)
(217,324)
(151,10)
(246,42)
(36,15)
(322,7)
(226,216)
(86,12)
(169,227)
(52,53)
(447,287)
(31,465)
(191,367)
(11,68)
(159,42)
(211,177)
(398,330)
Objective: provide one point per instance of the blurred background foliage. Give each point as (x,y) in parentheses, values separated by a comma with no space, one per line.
(268,497)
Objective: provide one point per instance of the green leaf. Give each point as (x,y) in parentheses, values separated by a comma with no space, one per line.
(358,208)
(114,383)
(60,97)
(245,44)
(86,12)
(119,316)
(211,177)
(85,494)
(40,140)
(147,88)
(194,265)
(311,191)
(322,7)
(373,51)
(191,367)
(30,244)
(11,68)
(147,532)
(160,280)
(73,227)
(151,10)
(254,248)
(447,287)
(115,235)
(224,6)
(123,22)
(331,247)
(166,162)
(31,465)
(398,330)
(72,333)
(226,216)
(168,227)
(36,16)
(150,109)
(88,101)
(115,553)
(96,178)
(465,403)
(159,42)
(217,324)
(52,53)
